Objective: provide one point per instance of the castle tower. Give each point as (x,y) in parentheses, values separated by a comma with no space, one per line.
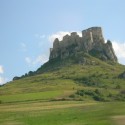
(56,43)
(93,33)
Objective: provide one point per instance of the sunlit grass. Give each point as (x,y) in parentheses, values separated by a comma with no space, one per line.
(62,113)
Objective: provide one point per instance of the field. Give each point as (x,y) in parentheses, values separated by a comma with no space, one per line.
(63,113)
(40,109)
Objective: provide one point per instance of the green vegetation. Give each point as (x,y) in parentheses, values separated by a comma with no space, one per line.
(39,96)
(63,113)
(70,75)
(67,92)
(98,95)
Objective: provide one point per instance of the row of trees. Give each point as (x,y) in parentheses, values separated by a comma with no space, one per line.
(30,73)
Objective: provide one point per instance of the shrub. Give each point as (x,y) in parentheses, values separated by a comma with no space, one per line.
(72,96)
(98,98)
(95,94)
(122,92)
(80,92)
(97,91)
(118,87)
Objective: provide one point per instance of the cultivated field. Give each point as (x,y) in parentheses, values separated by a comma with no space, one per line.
(62,113)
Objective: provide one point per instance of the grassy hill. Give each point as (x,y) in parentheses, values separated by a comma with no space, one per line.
(66,92)
(69,79)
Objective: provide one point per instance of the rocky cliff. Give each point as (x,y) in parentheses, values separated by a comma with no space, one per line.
(92,42)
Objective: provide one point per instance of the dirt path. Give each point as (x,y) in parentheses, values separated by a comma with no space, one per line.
(39,106)
(119,120)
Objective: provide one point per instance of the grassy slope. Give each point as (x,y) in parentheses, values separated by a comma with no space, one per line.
(63,113)
(30,100)
(65,78)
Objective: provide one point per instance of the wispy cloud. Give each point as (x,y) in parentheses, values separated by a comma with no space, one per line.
(2,80)
(58,35)
(41,36)
(61,34)
(119,48)
(23,47)
(40,59)
(28,60)
(1,69)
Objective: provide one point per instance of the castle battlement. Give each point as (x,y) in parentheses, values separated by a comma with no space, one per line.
(92,39)
(93,33)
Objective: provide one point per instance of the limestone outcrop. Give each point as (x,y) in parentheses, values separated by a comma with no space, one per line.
(92,42)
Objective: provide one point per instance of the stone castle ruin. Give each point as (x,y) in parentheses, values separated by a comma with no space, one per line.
(92,42)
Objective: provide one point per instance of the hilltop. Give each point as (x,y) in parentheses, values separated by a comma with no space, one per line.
(75,48)
(79,68)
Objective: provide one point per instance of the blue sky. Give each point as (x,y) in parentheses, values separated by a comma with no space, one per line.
(27,28)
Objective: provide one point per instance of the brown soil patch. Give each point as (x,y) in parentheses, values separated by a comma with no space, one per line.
(119,120)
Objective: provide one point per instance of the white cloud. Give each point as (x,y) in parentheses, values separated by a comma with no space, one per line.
(60,35)
(23,47)
(119,49)
(79,33)
(38,60)
(1,69)
(2,80)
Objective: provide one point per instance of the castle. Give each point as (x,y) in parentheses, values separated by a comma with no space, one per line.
(92,41)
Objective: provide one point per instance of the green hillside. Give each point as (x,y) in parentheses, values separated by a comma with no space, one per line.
(66,92)
(69,79)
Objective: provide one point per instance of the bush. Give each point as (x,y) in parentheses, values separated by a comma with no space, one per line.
(98,98)
(97,91)
(0,102)
(72,96)
(120,97)
(118,87)
(90,93)
(122,92)
(95,94)
(80,92)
